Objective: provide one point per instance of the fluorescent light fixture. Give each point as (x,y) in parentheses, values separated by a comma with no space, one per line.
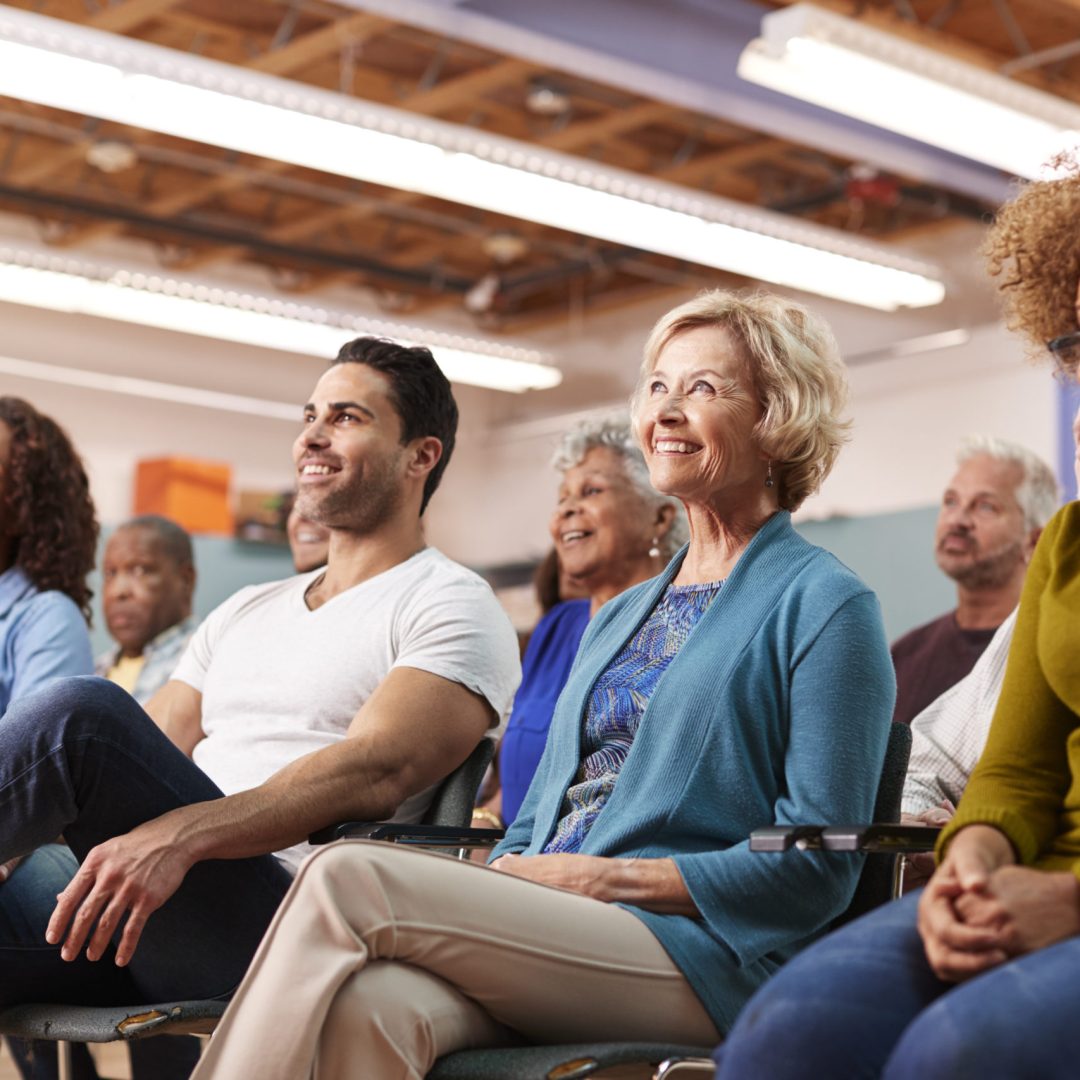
(852,68)
(58,283)
(132,82)
(149,388)
(944,339)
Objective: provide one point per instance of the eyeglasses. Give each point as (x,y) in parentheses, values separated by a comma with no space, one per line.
(1065,343)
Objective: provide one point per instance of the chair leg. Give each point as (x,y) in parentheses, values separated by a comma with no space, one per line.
(680,1067)
(898,867)
(65,1066)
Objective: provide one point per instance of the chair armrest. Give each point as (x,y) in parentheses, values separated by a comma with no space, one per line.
(421,835)
(785,837)
(885,838)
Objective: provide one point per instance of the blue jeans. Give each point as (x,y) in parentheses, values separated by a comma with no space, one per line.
(82,760)
(25,902)
(863,1002)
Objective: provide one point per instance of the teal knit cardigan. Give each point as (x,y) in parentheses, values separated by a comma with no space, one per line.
(775,710)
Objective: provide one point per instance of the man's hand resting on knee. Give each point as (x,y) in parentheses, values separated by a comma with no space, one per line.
(126,878)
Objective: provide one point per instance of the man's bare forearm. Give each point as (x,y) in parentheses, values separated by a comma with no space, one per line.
(341,782)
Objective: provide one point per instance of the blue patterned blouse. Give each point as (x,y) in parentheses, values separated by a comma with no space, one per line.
(617,703)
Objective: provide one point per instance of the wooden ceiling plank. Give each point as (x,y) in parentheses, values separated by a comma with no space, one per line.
(466,88)
(43,168)
(171,203)
(604,302)
(222,184)
(125,15)
(733,157)
(616,122)
(304,50)
(225,253)
(315,282)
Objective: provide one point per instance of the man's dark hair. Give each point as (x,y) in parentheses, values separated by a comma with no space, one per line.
(175,541)
(419,392)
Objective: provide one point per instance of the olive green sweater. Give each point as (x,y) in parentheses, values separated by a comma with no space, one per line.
(1027,782)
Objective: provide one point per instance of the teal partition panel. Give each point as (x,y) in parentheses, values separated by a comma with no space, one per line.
(894,555)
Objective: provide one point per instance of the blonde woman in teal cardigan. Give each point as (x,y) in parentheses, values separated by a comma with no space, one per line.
(748,684)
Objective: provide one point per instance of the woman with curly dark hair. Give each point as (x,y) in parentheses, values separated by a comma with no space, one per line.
(48,536)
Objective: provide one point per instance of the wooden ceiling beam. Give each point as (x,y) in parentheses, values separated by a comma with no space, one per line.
(125,15)
(542,318)
(306,49)
(465,89)
(209,256)
(43,168)
(723,161)
(169,204)
(616,122)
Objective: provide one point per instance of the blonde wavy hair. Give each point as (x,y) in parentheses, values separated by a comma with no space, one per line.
(1032,253)
(794,363)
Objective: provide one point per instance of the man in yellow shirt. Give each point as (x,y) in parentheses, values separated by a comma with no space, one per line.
(149,578)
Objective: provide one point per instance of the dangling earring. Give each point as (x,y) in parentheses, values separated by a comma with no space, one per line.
(654,551)
(768,476)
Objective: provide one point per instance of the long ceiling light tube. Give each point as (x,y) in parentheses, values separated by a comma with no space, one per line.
(149,388)
(58,283)
(849,67)
(71,67)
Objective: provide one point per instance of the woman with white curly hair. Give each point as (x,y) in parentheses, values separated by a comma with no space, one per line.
(748,683)
(611,529)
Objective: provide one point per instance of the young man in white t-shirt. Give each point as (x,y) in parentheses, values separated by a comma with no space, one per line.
(346,693)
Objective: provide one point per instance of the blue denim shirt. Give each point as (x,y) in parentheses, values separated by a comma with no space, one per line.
(43,636)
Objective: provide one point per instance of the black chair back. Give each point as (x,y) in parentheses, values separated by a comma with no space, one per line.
(876,880)
(454,801)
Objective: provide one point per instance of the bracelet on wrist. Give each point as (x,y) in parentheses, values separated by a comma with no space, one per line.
(484,814)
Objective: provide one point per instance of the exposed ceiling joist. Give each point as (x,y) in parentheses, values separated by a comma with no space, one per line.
(44,167)
(318,44)
(465,89)
(125,15)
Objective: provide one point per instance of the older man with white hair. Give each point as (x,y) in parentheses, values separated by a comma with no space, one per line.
(992,512)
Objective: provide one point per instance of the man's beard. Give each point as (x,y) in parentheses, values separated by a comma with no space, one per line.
(360,506)
(990,571)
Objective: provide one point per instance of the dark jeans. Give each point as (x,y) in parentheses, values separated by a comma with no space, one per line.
(863,1002)
(25,902)
(82,760)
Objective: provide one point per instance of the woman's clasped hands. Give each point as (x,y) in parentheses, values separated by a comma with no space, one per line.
(980,908)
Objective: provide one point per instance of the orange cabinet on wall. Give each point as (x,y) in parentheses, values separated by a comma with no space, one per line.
(193,493)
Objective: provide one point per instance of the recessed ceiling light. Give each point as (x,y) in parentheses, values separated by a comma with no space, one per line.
(111,156)
(545,100)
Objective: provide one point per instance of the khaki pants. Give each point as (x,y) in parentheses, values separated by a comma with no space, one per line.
(382,958)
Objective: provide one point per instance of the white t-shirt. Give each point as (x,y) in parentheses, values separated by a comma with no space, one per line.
(279,681)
